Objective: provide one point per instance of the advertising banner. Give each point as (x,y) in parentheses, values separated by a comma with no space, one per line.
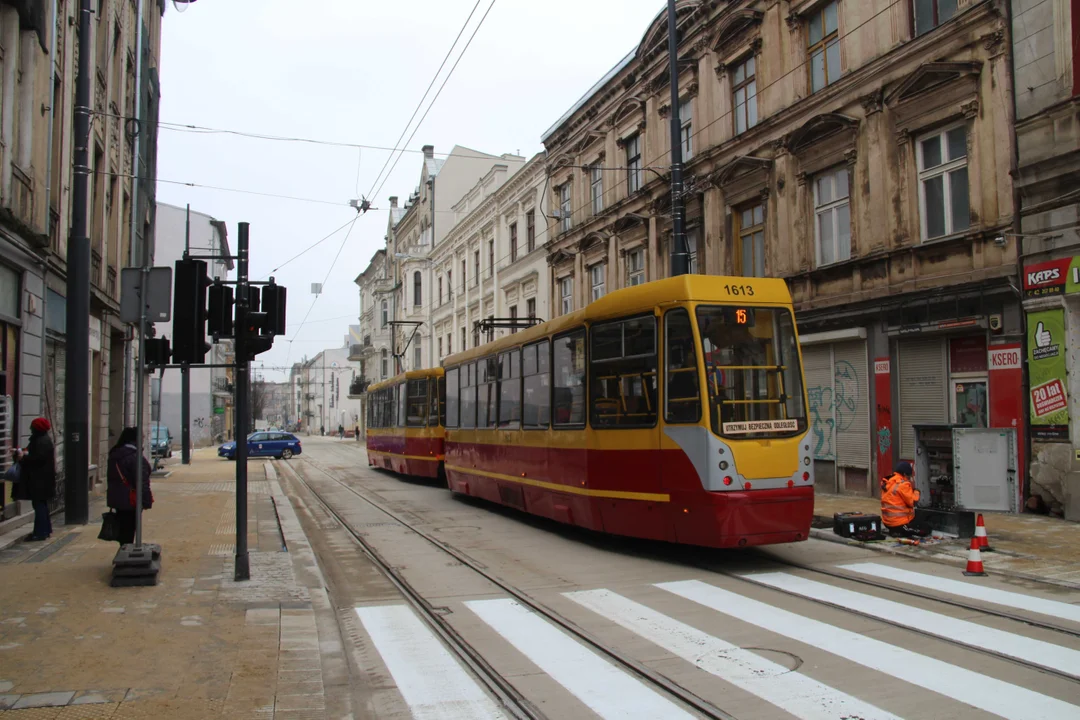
(1049,405)
(883,393)
(1055,277)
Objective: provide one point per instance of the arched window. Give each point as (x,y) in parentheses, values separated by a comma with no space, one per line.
(384,364)
(416,289)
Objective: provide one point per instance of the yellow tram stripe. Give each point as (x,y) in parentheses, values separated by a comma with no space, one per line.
(429,458)
(617,494)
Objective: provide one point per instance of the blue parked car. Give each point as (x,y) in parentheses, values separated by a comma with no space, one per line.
(265,444)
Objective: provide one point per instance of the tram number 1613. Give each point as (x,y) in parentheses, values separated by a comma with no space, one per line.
(740,290)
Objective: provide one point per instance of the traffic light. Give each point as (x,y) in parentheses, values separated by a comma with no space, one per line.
(257,339)
(219,320)
(273,304)
(189,312)
(156,352)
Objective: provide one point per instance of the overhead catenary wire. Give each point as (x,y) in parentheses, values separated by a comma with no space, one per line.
(437,94)
(371,192)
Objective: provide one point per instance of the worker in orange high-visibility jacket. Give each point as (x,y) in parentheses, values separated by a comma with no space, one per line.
(898,500)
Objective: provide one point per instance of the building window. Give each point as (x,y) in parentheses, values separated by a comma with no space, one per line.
(832,216)
(463,345)
(384,365)
(692,239)
(440,349)
(635,267)
(566,295)
(633,164)
(449,344)
(491,257)
(476,267)
(530,307)
(535,361)
(931,13)
(744,89)
(513,242)
(530,231)
(440,291)
(596,188)
(823,40)
(943,183)
(513,316)
(418,356)
(751,236)
(449,284)
(564,207)
(385,313)
(596,280)
(417,290)
(686,123)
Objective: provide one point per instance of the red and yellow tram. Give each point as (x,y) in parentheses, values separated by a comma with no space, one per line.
(673,410)
(404,428)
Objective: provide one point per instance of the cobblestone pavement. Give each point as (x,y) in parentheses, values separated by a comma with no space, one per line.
(1026,546)
(198,644)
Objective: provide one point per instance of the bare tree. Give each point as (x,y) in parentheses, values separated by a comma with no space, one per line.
(260,395)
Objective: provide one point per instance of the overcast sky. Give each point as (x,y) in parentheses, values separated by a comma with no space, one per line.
(353,71)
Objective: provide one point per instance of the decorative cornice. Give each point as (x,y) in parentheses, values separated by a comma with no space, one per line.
(994,41)
(872,102)
(665,110)
(970,109)
(794,22)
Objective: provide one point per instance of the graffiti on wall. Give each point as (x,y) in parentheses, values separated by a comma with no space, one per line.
(832,409)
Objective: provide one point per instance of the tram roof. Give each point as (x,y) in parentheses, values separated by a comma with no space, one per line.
(638,299)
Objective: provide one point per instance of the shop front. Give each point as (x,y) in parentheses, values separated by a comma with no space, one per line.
(1052,318)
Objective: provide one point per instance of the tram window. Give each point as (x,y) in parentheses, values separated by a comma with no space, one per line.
(682,400)
(468,396)
(752,371)
(433,401)
(416,403)
(402,405)
(537,397)
(487,395)
(440,408)
(510,389)
(622,374)
(453,397)
(569,370)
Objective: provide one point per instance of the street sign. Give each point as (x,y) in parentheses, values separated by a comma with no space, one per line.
(158,296)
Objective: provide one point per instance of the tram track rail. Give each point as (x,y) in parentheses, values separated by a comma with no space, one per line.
(512,700)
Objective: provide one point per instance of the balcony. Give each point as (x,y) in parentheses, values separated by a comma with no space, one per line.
(361,351)
(22,196)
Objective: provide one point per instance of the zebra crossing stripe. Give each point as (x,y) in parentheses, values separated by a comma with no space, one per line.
(789,690)
(967,633)
(606,690)
(986,693)
(434,686)
(969,591)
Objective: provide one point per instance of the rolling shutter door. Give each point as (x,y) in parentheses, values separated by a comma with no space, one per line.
(851,404)
(817,366)
(923,398)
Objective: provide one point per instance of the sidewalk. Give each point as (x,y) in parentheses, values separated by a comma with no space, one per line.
(198,644)
(1033,547)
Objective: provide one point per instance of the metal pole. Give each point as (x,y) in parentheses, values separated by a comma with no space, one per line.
(133,259)
(185,373)
(76,399)
(679,255)
(242,570)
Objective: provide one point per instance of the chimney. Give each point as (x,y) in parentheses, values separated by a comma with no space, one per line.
(393,201)
(429,152)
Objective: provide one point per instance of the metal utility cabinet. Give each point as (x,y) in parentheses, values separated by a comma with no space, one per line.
(961,468)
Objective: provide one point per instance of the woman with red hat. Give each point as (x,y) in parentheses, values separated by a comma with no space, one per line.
(37,477)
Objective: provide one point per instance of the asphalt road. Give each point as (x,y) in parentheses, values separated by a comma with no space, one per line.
(455,608)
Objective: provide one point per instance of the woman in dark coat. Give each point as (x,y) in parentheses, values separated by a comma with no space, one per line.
(123,465)
(37,480)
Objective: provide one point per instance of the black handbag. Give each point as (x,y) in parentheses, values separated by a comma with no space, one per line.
(110,527)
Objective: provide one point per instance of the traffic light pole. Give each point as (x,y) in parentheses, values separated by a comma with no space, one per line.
(185,371)
(242,568)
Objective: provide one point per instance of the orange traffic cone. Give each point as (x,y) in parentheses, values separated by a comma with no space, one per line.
(980,534)
(974,563)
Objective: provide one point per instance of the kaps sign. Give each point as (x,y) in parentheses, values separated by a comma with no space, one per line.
(1054,277)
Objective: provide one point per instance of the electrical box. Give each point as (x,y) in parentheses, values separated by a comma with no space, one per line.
(963,468)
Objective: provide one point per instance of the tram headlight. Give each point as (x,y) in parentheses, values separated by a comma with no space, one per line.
(723,464)
(806,461)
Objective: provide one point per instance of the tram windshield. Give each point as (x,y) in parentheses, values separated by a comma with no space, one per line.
(752,371)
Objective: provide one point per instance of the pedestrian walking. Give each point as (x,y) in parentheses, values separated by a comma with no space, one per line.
(121,496)
(37,477)
(322,430)
(357,432)
(341,432)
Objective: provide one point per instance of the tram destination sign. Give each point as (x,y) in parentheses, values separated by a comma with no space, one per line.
(743,428)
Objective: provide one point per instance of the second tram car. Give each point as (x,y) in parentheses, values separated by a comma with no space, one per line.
(673,410)
(404,426)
